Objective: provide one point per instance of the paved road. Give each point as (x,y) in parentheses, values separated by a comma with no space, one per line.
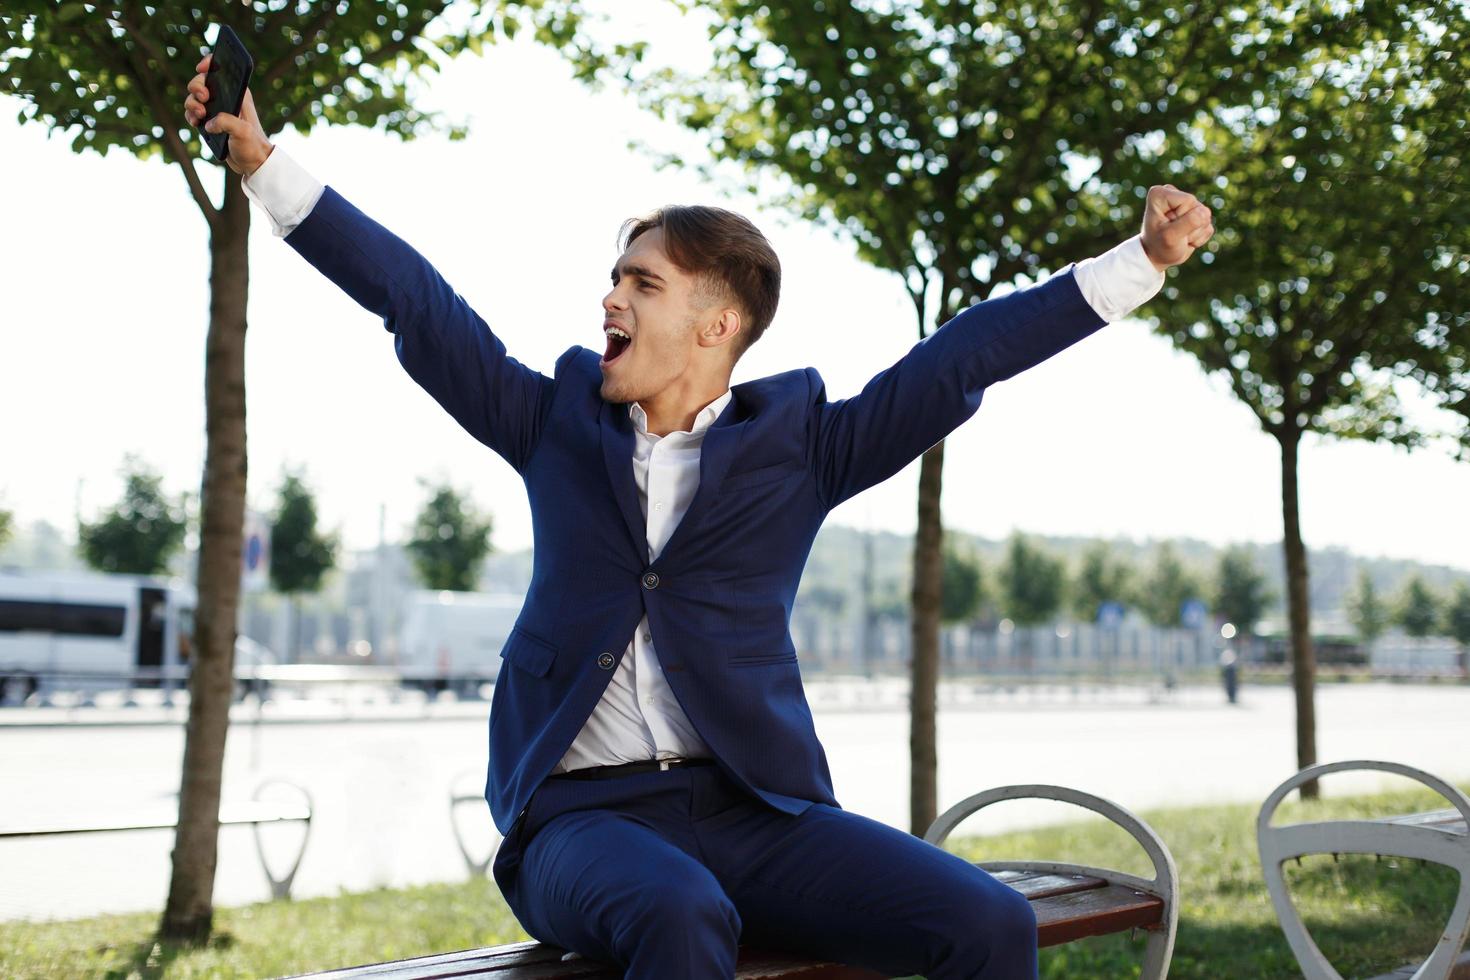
(380,787)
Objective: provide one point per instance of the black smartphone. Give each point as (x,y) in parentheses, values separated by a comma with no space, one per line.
(227,78)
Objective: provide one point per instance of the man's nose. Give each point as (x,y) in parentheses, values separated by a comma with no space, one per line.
(612,301)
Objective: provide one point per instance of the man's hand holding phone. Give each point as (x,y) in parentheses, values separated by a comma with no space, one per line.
(248,146)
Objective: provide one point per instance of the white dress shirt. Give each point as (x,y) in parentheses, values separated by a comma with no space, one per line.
(638,717)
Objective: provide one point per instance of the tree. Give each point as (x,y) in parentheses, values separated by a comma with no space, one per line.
(1101,578)
(1340,262)
(1241,595)
(139,534)
(114,76)
(7,526)
(1033,583)
(450,540)
(1367,611)
(964,589)
(830,600)
(1457,622)
(1418,609)
(1166,588)
(961,146)
(300,557)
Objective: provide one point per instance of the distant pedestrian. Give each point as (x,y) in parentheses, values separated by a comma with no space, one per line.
(1230,672)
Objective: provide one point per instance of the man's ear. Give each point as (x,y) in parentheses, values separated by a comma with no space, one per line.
(722,330)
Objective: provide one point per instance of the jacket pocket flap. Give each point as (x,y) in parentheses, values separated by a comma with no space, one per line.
(749,479)
(530,653)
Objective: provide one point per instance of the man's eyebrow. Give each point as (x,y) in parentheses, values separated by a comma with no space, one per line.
(637,270)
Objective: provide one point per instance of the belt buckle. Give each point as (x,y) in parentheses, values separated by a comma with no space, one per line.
(665,764)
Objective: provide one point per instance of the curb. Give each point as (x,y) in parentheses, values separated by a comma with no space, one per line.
(247,718)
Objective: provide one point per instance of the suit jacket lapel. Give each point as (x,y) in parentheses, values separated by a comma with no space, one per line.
(617,453)
(715,455)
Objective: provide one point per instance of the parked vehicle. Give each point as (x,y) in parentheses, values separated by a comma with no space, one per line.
(452,640)
(90,631)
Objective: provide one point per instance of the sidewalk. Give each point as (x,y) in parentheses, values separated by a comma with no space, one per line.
(347,703)
(277,711)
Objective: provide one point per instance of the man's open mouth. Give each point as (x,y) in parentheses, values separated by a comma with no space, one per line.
(617,342)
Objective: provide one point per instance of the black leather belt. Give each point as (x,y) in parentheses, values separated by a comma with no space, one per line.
(631,768)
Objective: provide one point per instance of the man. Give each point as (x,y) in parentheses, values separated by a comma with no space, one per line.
(653,763)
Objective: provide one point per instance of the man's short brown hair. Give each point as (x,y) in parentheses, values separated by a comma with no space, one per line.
(726,251)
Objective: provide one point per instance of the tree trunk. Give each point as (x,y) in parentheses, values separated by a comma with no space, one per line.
(1303,662)
(189,913)
(924,664)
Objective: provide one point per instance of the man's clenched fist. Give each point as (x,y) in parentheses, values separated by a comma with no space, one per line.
(1174,225)
(248,146)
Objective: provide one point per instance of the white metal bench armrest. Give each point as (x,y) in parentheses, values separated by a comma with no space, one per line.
(459,798)
(1164,884)
(1387,837)
(280,885)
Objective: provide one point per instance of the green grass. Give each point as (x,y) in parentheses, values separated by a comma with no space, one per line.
(268,940)
(1369,916)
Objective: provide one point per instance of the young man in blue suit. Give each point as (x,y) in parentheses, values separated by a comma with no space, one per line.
(653,763)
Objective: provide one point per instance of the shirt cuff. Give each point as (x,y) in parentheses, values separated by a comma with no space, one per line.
(1118,281)
(283,189)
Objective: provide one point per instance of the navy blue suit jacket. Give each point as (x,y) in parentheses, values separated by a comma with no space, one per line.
(719,597)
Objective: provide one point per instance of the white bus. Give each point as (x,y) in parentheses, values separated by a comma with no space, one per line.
(453,639)
(88,631)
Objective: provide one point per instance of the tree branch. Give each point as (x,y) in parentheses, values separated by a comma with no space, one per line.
(308,33)
(172,144)
(143,41)
(1351,347)
(386,53)
(1214,358)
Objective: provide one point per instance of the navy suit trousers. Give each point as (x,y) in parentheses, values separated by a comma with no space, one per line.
(665,873)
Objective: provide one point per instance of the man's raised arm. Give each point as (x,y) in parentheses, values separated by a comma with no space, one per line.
(863,440)
(443,344)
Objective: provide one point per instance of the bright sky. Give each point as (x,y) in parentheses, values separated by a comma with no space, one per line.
(104,268)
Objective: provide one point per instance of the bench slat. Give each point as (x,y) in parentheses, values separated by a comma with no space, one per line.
(1036,885)
(530,959)
(1447,820)
(759,965)
(533,961)
(1095,912)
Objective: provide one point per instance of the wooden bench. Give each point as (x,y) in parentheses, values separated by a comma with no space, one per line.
(1439,836)
(1070,901)
(255,813)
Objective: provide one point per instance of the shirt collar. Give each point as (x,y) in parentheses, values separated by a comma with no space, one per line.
(702,421)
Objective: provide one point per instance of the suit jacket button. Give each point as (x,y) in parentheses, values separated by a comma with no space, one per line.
(650,580)
(606,661)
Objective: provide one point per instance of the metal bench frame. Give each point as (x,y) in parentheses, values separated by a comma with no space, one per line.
(1164,885)
(254,813)
(477,867)
(1387,837)
(281,884)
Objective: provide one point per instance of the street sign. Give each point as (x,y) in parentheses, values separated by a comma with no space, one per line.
(1110,615)
(255,555)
